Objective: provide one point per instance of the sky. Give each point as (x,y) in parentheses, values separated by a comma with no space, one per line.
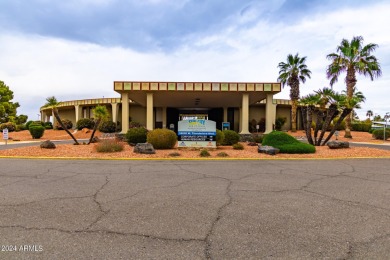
(76,49)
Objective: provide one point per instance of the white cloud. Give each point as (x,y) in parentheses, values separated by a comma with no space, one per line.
(37,67)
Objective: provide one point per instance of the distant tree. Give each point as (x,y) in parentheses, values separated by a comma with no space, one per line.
(51,102)
(291,73)
(369,114)
(7,108)
(100,113)
(377,118)
(352,57)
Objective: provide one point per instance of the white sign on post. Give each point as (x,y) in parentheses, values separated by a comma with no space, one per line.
(5,135)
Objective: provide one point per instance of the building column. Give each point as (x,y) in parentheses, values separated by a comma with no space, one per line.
(270,114)
(42,117)
(164,117)
(54,118)
(114,108)
(149,111)
(78,110)
(125,112)
(245,114)
(225,114)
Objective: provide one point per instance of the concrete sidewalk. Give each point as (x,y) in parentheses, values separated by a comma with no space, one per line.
(284,209)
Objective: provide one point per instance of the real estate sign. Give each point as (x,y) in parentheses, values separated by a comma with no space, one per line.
(197,133)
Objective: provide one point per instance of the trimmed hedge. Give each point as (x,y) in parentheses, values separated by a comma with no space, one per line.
(107,127)
(361,127)
(162,138)
(36,131)
(85,123)
(9,125)
(136,135)
(378,134)
(286,143)
(231,137)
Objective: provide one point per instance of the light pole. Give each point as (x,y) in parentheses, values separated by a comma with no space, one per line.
(387,116)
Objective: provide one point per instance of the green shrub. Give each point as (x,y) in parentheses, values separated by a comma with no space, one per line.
(279,122)
(136,135)
(20,127)
(231,137)
(222,154)
(286,143)
(162,138)
(378,134)
(361,126)
(134,124)
(9,125)
(48,125)
(31,122)
(204,153)
(36,131)
(238,146)
(107,127)
(109,146)
(85,123)
(67,123)
(219,137)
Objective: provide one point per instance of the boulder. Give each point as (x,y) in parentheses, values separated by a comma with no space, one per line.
(338,144)
(48,145)
(268,149)
(85,130)
(145,148)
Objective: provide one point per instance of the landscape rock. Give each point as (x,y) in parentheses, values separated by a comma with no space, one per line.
(85,130)
(48,145)
(144,148)
(268,150)
(338,144)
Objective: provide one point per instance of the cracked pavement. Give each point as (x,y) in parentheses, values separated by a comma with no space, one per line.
(266,209)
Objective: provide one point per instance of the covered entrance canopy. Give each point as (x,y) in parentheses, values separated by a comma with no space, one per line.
(193,95)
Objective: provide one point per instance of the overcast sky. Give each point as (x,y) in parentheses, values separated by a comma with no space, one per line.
(75,49)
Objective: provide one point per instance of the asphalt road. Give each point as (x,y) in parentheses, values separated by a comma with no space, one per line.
(284,209)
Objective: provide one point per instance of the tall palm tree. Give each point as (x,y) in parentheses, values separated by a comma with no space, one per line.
(369,114)
(352,57)
(51,102)
(100,113)
(291,73)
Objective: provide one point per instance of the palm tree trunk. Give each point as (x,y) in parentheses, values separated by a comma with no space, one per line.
(310,110)
(330,115)
(351,82)
(94,130)
(345,112)
(319,122)
(57,116)
(294,115)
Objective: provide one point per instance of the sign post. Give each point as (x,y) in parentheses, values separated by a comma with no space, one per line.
(5,135)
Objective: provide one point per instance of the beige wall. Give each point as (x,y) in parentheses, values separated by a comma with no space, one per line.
(68,113)
(138,114)
(257,113)
(283,111)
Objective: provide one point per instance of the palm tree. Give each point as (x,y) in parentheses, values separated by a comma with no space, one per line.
(51,102)
(352,57)
(100,113)
(369,114)
(308,104)
(291,73)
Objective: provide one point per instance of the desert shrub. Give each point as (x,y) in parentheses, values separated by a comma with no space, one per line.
(238,146)
(361,126)
(67,123)
(9,125)
(136,135)
(286,143)
(109,146)
(36,131)
(279,122)
(47,125)
(85,123)
(204,153)
(162,138)
(246,137)
(219,137)
(231,137)
(20,127)
(378,134)
(174,154)
(222,154)
(107,127)
(258,138)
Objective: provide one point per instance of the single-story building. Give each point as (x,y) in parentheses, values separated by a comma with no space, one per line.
(163,104)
